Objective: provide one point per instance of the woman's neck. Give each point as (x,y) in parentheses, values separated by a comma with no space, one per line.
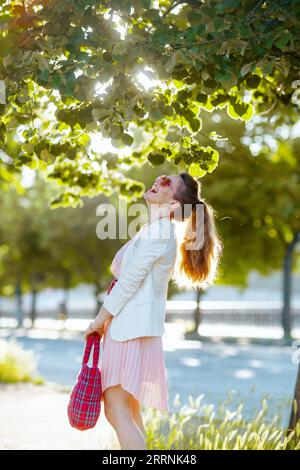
(156,211)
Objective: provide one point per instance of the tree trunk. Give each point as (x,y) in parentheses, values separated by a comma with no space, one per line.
(19,306)
(33,306)
(287,286)
(198,313)
(295,413)
(98,302)
(66,294)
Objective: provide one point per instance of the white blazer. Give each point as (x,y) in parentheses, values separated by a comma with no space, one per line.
(138,299)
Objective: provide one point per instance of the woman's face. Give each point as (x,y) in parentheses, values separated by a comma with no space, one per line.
(164,189)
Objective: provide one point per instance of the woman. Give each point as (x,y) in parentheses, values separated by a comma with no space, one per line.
(131,319)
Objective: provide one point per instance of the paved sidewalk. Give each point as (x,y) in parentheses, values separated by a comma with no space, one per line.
(35,417)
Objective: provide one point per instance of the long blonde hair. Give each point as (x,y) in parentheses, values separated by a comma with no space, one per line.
(196,268)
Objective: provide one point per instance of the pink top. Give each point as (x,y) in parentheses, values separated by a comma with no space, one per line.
(116,262)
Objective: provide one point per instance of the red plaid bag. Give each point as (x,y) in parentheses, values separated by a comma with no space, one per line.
(84,405)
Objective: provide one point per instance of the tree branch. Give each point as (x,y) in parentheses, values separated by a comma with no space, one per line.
(175,4)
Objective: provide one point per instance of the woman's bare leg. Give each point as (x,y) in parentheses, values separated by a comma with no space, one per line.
(136,414)
(118,413)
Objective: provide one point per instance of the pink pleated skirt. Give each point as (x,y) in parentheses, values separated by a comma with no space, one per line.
(138,365)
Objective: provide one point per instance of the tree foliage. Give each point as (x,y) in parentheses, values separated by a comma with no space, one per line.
(72,69)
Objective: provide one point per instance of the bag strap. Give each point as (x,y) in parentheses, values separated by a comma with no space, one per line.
(111,285)
(92,339)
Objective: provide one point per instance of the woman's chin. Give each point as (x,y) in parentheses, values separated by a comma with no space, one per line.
(148,196)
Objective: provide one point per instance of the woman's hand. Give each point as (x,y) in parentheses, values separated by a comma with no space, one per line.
(98,323)
(92,328)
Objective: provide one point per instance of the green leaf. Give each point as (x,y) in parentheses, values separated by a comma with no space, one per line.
(177,159)
(44,75)
(195,124)
(176,58)
(56,80)
(2,133)
(219,24)
(84,139)
(231,3)
(246,68)
(42,165)
(209,11)
(156,158)
(117,142)
(246,32)
(116,130)
(136,189)
(169,111)
(196,171)
(201,98)
(155,114)
(240,110)
(222,75)
(213,163)
(253,80)
(283,40)
(127,139)
(46,156)
(34,164)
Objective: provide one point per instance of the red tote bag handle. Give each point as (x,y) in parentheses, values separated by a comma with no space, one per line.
(92,339)
(111,285)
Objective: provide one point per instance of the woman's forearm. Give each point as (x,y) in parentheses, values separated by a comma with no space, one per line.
(102,316)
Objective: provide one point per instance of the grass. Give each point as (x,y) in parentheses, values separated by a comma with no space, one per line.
(199,426)
(16,364)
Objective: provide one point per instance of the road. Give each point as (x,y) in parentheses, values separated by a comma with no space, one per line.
(248,372)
